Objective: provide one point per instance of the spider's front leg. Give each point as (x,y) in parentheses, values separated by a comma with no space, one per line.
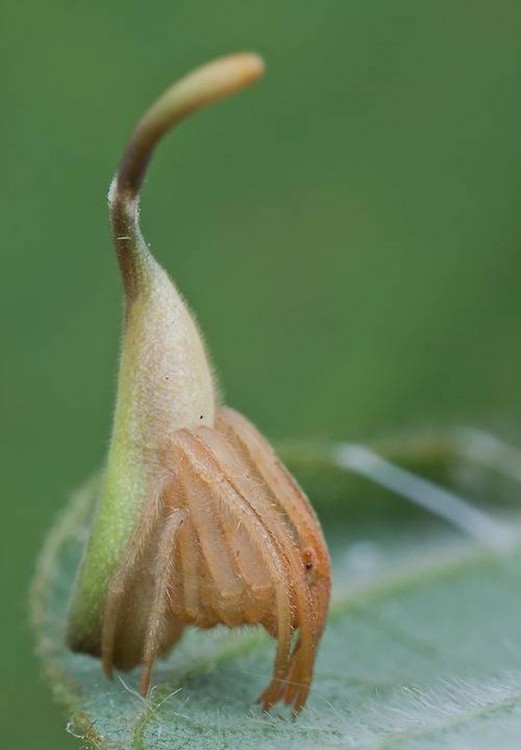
(294,688)
(290,515)
(235,561)
(249,478)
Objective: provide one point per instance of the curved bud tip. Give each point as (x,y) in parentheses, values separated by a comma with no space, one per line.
(206,84)
(203,86)
(222,77)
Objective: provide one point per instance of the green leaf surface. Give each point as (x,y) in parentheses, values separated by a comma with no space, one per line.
(422,648)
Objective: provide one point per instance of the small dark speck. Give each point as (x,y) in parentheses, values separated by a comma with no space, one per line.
(201,416)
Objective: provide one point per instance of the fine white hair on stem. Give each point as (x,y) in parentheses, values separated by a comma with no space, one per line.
(441,502)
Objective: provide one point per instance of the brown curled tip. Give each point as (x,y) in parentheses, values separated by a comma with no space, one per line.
(205,85)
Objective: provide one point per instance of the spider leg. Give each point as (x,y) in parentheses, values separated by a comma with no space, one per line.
(294,685)
(245,489)
(200,491)
(155,631)
(207,482)
(300,671)
(285,497)
(191,573)
(297,687)
(121,580)
(275,570)
(288,496)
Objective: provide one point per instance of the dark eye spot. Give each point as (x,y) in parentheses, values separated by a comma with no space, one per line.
(309,558)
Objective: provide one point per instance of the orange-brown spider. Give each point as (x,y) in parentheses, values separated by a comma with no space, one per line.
(227,537)
(198,523)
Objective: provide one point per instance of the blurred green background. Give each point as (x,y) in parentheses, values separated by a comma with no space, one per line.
(348,234)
